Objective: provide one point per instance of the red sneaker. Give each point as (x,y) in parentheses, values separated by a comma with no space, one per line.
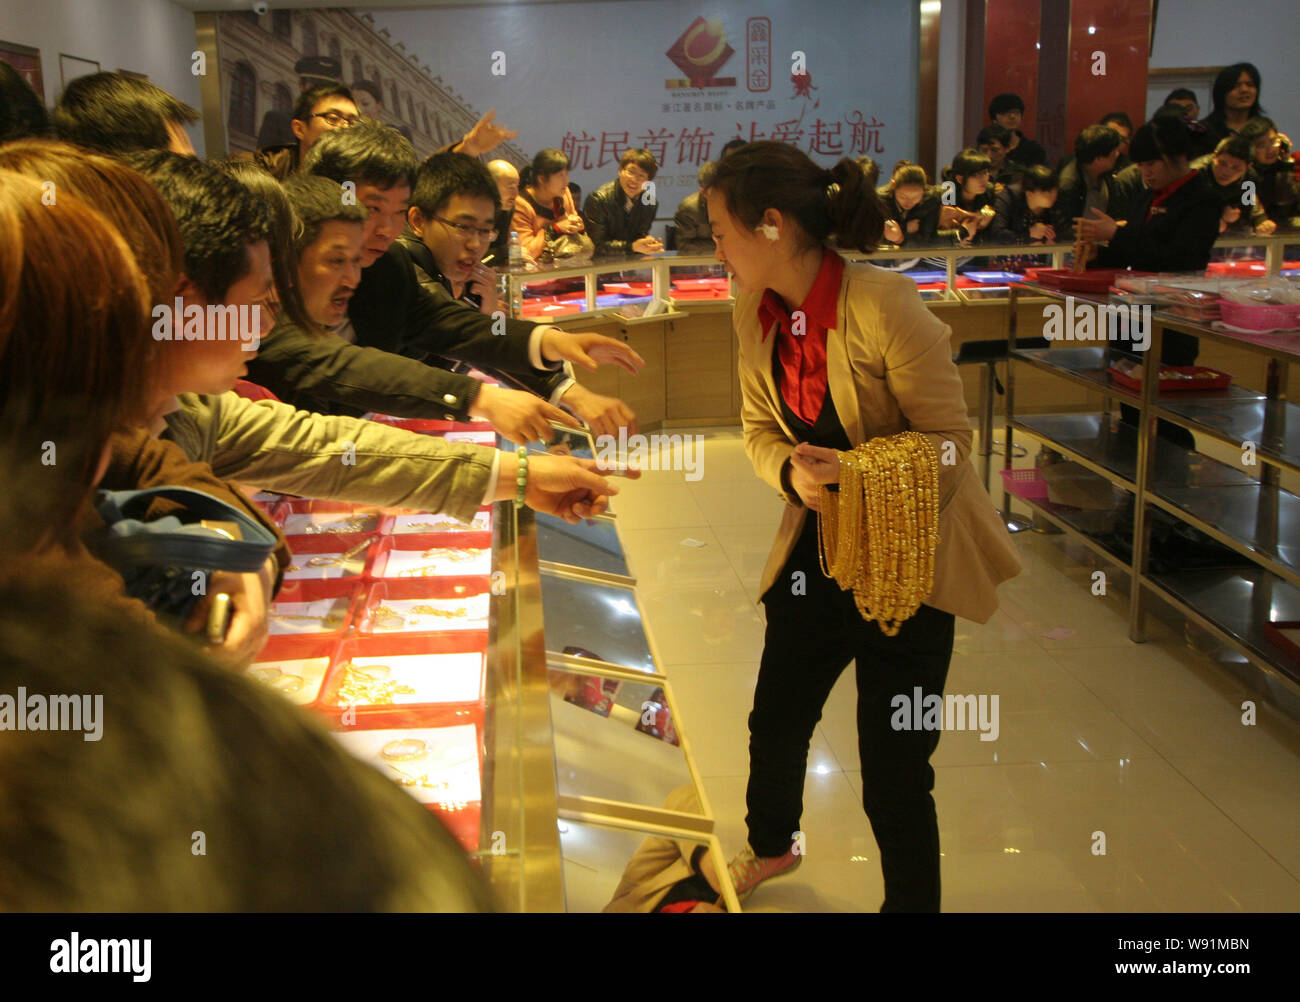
(748,870)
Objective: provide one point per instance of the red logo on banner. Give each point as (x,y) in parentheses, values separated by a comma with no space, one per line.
(758,53)
(700,52)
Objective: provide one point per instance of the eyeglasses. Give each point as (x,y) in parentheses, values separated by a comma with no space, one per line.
(636,174)
(337,119)
(470,232)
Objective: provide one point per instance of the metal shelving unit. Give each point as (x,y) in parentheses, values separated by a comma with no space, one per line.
(1242,507)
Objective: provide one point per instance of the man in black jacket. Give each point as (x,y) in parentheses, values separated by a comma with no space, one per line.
(1007,110)
(391,312)
(618,215)
(1084,181)
(449,223)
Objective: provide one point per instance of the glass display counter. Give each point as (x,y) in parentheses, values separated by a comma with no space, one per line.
(681,319)
(501,673)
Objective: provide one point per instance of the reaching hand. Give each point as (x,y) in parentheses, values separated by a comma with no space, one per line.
(647,245)
(604,415)
(486,135)
(1096,227)
(568,488)
(589,350)
(521,417)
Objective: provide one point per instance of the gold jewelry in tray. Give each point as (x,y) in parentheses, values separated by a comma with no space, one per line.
(878,535)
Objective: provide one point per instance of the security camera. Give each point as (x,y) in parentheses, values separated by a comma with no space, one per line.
(261,7)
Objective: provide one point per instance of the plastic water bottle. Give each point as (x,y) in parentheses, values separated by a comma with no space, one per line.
(516,258)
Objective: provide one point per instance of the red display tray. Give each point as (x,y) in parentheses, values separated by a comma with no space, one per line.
(389,526)
(1095,279)
(463,821)
(297,590)
(381,716)
(1215,381)
(335,512)
(304,547)
(379,555)
(1274,631)
(299,647)
(413,589)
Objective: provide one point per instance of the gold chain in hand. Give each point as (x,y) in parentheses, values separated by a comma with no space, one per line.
(878,536)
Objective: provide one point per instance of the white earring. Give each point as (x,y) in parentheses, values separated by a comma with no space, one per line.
(768,230)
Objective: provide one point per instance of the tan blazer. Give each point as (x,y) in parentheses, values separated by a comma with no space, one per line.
(890,370)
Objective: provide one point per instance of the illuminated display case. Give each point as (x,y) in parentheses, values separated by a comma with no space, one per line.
(501,673)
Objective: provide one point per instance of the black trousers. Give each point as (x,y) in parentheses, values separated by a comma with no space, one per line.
(810,639)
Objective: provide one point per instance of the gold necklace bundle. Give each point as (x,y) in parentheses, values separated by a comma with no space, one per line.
(878,535)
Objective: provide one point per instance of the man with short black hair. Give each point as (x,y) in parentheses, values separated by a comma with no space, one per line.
(994,141)
(618,215)
(1007,110)
(391,312)
(319,109)
(1122,124)
(1085,179)
(115,113)
(449,225)
(694,235)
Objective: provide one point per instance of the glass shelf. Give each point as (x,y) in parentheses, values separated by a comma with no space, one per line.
(593,545)
(1089,367)
(1259,520)
(1238,603)
(1110,448)
(594,620)
(1273,425)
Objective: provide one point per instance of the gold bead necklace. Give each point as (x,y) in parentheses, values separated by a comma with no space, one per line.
(878,535)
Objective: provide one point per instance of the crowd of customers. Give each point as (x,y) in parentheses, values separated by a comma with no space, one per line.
(371,273)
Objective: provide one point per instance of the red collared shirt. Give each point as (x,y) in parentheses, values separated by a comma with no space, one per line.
(1164,193)
(803,355)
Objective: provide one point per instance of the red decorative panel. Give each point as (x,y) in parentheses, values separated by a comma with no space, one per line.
(1011,55)
(1109,47)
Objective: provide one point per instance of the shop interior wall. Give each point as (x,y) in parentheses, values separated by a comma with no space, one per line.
(153,37)
(579,75)
(1213,33)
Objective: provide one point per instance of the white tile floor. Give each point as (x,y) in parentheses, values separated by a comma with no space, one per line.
(1144,743)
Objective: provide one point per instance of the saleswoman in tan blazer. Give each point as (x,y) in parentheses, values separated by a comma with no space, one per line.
(832,355)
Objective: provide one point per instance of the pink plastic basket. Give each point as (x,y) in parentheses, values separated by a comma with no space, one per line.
(1259,317)
(1026,484)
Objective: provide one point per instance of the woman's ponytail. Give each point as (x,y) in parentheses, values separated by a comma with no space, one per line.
(856,216)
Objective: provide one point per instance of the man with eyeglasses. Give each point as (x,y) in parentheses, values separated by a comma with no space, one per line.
(618,215)
(318,110)
(451,223)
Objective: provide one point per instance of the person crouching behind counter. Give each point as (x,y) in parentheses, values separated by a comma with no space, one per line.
(869,361)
